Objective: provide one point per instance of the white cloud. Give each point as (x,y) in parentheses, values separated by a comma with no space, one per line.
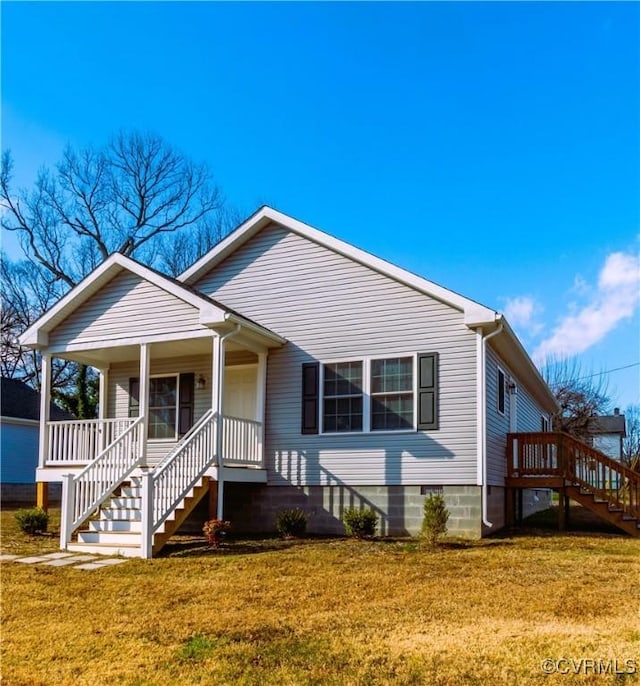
(521,312)
(616,298)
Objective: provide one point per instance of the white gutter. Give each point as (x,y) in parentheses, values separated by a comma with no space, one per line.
(220,372)
(481,367)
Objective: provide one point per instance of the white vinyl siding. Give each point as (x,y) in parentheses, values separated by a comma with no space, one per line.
(528,416)
(127,307)
(118,390)
(329,307)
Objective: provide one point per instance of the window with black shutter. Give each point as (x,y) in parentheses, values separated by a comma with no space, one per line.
(310,391)
(428,419)
(171,404)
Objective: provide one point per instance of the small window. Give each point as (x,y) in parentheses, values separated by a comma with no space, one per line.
(392,394)
(501,391)
(342,397)
(163,408)
(545,424)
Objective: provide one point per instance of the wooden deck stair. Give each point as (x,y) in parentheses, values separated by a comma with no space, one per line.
(578,471)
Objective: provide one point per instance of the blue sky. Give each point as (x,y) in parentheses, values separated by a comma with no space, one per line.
(492,148)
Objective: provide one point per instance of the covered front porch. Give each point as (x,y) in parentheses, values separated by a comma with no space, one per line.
(181,404)
(175,416)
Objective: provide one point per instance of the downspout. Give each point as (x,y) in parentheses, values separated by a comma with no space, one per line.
(220,372)
(482,399)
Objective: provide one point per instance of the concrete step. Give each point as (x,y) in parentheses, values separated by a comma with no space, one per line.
(102,549)
(110,538)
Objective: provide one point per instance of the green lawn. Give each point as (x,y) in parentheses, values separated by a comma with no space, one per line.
(326,611)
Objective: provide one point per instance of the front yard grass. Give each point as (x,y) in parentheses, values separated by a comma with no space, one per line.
(325,611)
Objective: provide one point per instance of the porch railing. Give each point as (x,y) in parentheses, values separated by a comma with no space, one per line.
(80,441)
(83,493)
(561,455)
(242,442)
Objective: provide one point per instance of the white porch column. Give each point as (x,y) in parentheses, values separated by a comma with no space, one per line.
(219,355)
(102,405)
(261,389)
(215,380)
(145,359)
(45,405)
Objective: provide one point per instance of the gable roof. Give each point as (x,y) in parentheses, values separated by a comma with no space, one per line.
(610,424)
(23,402)
(211,312)
(475,315)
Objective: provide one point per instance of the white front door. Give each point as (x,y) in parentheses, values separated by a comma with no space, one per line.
(240,392)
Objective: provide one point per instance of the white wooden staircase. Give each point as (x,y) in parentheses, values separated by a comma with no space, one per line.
(115,507)
(117,528)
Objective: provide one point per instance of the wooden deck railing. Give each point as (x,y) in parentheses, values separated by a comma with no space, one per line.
(562,455)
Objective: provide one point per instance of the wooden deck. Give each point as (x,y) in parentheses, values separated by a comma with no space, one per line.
(577,471)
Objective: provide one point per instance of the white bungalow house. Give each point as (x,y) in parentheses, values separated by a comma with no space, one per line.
(284,368)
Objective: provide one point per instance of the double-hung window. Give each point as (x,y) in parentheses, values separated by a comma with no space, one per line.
(163,407)
(343,395)
(371,394)
(368,395)
(391,391)
(170,405)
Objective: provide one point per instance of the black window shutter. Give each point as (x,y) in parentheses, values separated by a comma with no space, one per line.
(310,389)
(134,396)
(428,392)
(185,398)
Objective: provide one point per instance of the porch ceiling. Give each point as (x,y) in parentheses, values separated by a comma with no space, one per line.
(102,357)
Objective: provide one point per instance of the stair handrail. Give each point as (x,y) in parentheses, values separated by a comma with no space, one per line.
(179,472)
(83,493)
(591,469)
(178,446)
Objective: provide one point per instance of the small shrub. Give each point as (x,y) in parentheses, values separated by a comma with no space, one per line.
(215,530)
(291,522)
(32,521)
(436,516)
(359,523)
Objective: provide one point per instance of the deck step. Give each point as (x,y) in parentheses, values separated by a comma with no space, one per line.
(120,513)
(131,492)
(115,525)
(130,503)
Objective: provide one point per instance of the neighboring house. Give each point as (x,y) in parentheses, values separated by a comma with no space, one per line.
(19,429)
(285,368)
(608,432)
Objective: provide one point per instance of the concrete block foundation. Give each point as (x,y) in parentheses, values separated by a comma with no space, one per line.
(253,507)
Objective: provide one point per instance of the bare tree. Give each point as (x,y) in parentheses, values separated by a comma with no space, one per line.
(122,197)
(631,442)
(136,195)
(582,396)
(177,251)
